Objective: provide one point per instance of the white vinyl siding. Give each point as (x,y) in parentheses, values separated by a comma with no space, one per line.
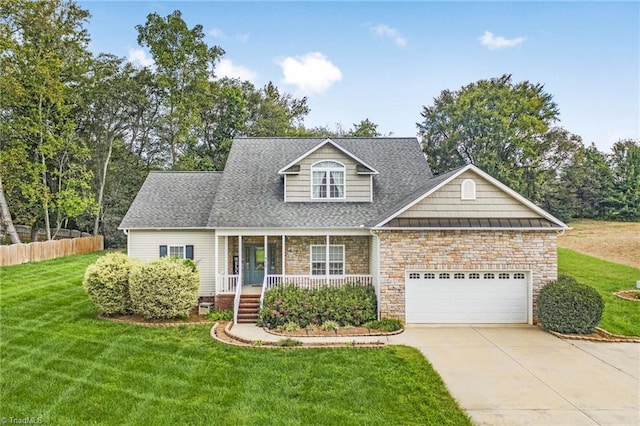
(145,245)
(357,187)
(489,202)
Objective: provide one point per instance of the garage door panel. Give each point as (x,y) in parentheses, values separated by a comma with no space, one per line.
(466,297)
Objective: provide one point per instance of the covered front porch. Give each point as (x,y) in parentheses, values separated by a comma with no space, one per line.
(252,264)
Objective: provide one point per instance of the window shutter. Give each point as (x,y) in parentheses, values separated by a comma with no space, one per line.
(163,251)
(189,252)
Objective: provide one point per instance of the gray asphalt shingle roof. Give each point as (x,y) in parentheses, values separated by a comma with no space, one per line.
(251,193)
(173,200)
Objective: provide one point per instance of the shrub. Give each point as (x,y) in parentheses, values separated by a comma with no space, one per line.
(386,324)
(107,283)
(221,315)
(291,326)
(566,306)
(350,304)
(330,326)
(164,288)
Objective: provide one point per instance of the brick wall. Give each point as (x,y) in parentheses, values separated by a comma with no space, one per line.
(298,255)
(533,251)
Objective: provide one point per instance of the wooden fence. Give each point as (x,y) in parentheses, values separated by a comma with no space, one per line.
(33,252)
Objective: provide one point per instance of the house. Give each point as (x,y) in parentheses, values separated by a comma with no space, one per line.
(456,248)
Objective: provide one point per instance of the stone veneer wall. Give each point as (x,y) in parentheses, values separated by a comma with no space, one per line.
(298,256)
(533,251)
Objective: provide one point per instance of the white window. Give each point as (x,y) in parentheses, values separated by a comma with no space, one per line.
(468,190)
(176,251)
(444,276)
(503,276)
(414,276)
(429,276)
(474,276)
(518,276)
(327,180)
(320,264)
(458,276)
(489,276)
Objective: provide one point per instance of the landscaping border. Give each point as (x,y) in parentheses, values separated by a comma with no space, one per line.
(605,336)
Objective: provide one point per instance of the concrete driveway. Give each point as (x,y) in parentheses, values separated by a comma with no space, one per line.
(524,376)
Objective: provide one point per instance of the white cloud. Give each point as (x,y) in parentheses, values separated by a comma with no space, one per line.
(141,58)
(311,73)
(216,33)
(498,42)
(386,31)
(226,68)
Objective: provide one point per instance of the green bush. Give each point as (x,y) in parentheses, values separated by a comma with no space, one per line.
(566,306)
(164,288)
(221,315)
(350,304)
(386,324)
(107,283)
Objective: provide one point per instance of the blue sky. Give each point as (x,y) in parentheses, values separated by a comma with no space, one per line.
(386,60)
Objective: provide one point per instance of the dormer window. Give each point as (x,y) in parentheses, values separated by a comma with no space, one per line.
(327,180)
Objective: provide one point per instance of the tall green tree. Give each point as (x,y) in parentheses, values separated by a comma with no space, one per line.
(44,60)
(585,183)
(624,199)
(364,129)
(184,66)
(504,127)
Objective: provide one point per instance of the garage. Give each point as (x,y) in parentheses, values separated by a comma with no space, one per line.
(461,297)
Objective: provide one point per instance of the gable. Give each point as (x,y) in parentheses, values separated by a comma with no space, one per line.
(490,202)
(298,184)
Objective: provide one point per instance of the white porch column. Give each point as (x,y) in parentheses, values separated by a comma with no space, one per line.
(226,255)
(240,264)
(216,267)
(326,259)
(266,257)
(284,256)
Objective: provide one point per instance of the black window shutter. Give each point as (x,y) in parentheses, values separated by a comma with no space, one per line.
(163,251)
(189,252)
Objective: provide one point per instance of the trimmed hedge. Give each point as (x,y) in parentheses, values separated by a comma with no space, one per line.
(163,289)
(566,306)
(107,283)
(351,304)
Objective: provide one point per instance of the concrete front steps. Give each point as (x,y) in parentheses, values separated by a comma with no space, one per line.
(249,309)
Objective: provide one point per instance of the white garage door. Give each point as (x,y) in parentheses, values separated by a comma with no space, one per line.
(445,297)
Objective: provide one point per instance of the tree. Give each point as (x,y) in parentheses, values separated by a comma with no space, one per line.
(585,183)
(184,65)
(43,63)
(624,199)
(272,113)
(5,216)
(503,127)
(364,129)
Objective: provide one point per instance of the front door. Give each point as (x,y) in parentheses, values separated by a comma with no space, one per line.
(254,263)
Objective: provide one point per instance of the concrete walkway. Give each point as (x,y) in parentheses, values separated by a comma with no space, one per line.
(521,375)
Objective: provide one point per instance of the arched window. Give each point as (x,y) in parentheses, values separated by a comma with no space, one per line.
(327,180)
(468,190)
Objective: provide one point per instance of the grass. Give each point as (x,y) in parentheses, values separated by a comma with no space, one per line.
(60,363)
(620,316)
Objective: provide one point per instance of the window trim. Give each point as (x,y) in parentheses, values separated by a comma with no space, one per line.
(327,260)
(342,168)
(468,189)
(184,250)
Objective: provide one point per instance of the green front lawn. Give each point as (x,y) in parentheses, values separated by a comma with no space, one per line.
(62,364)
(620,316)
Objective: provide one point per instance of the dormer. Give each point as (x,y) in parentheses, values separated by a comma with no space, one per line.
(328,173)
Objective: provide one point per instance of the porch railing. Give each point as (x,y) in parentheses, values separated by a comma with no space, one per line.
(227,284)
(236,303)
(316,281)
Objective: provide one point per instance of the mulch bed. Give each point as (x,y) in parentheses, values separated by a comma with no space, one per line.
(341,331)
(633,295)
(193,319)
(598,335)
